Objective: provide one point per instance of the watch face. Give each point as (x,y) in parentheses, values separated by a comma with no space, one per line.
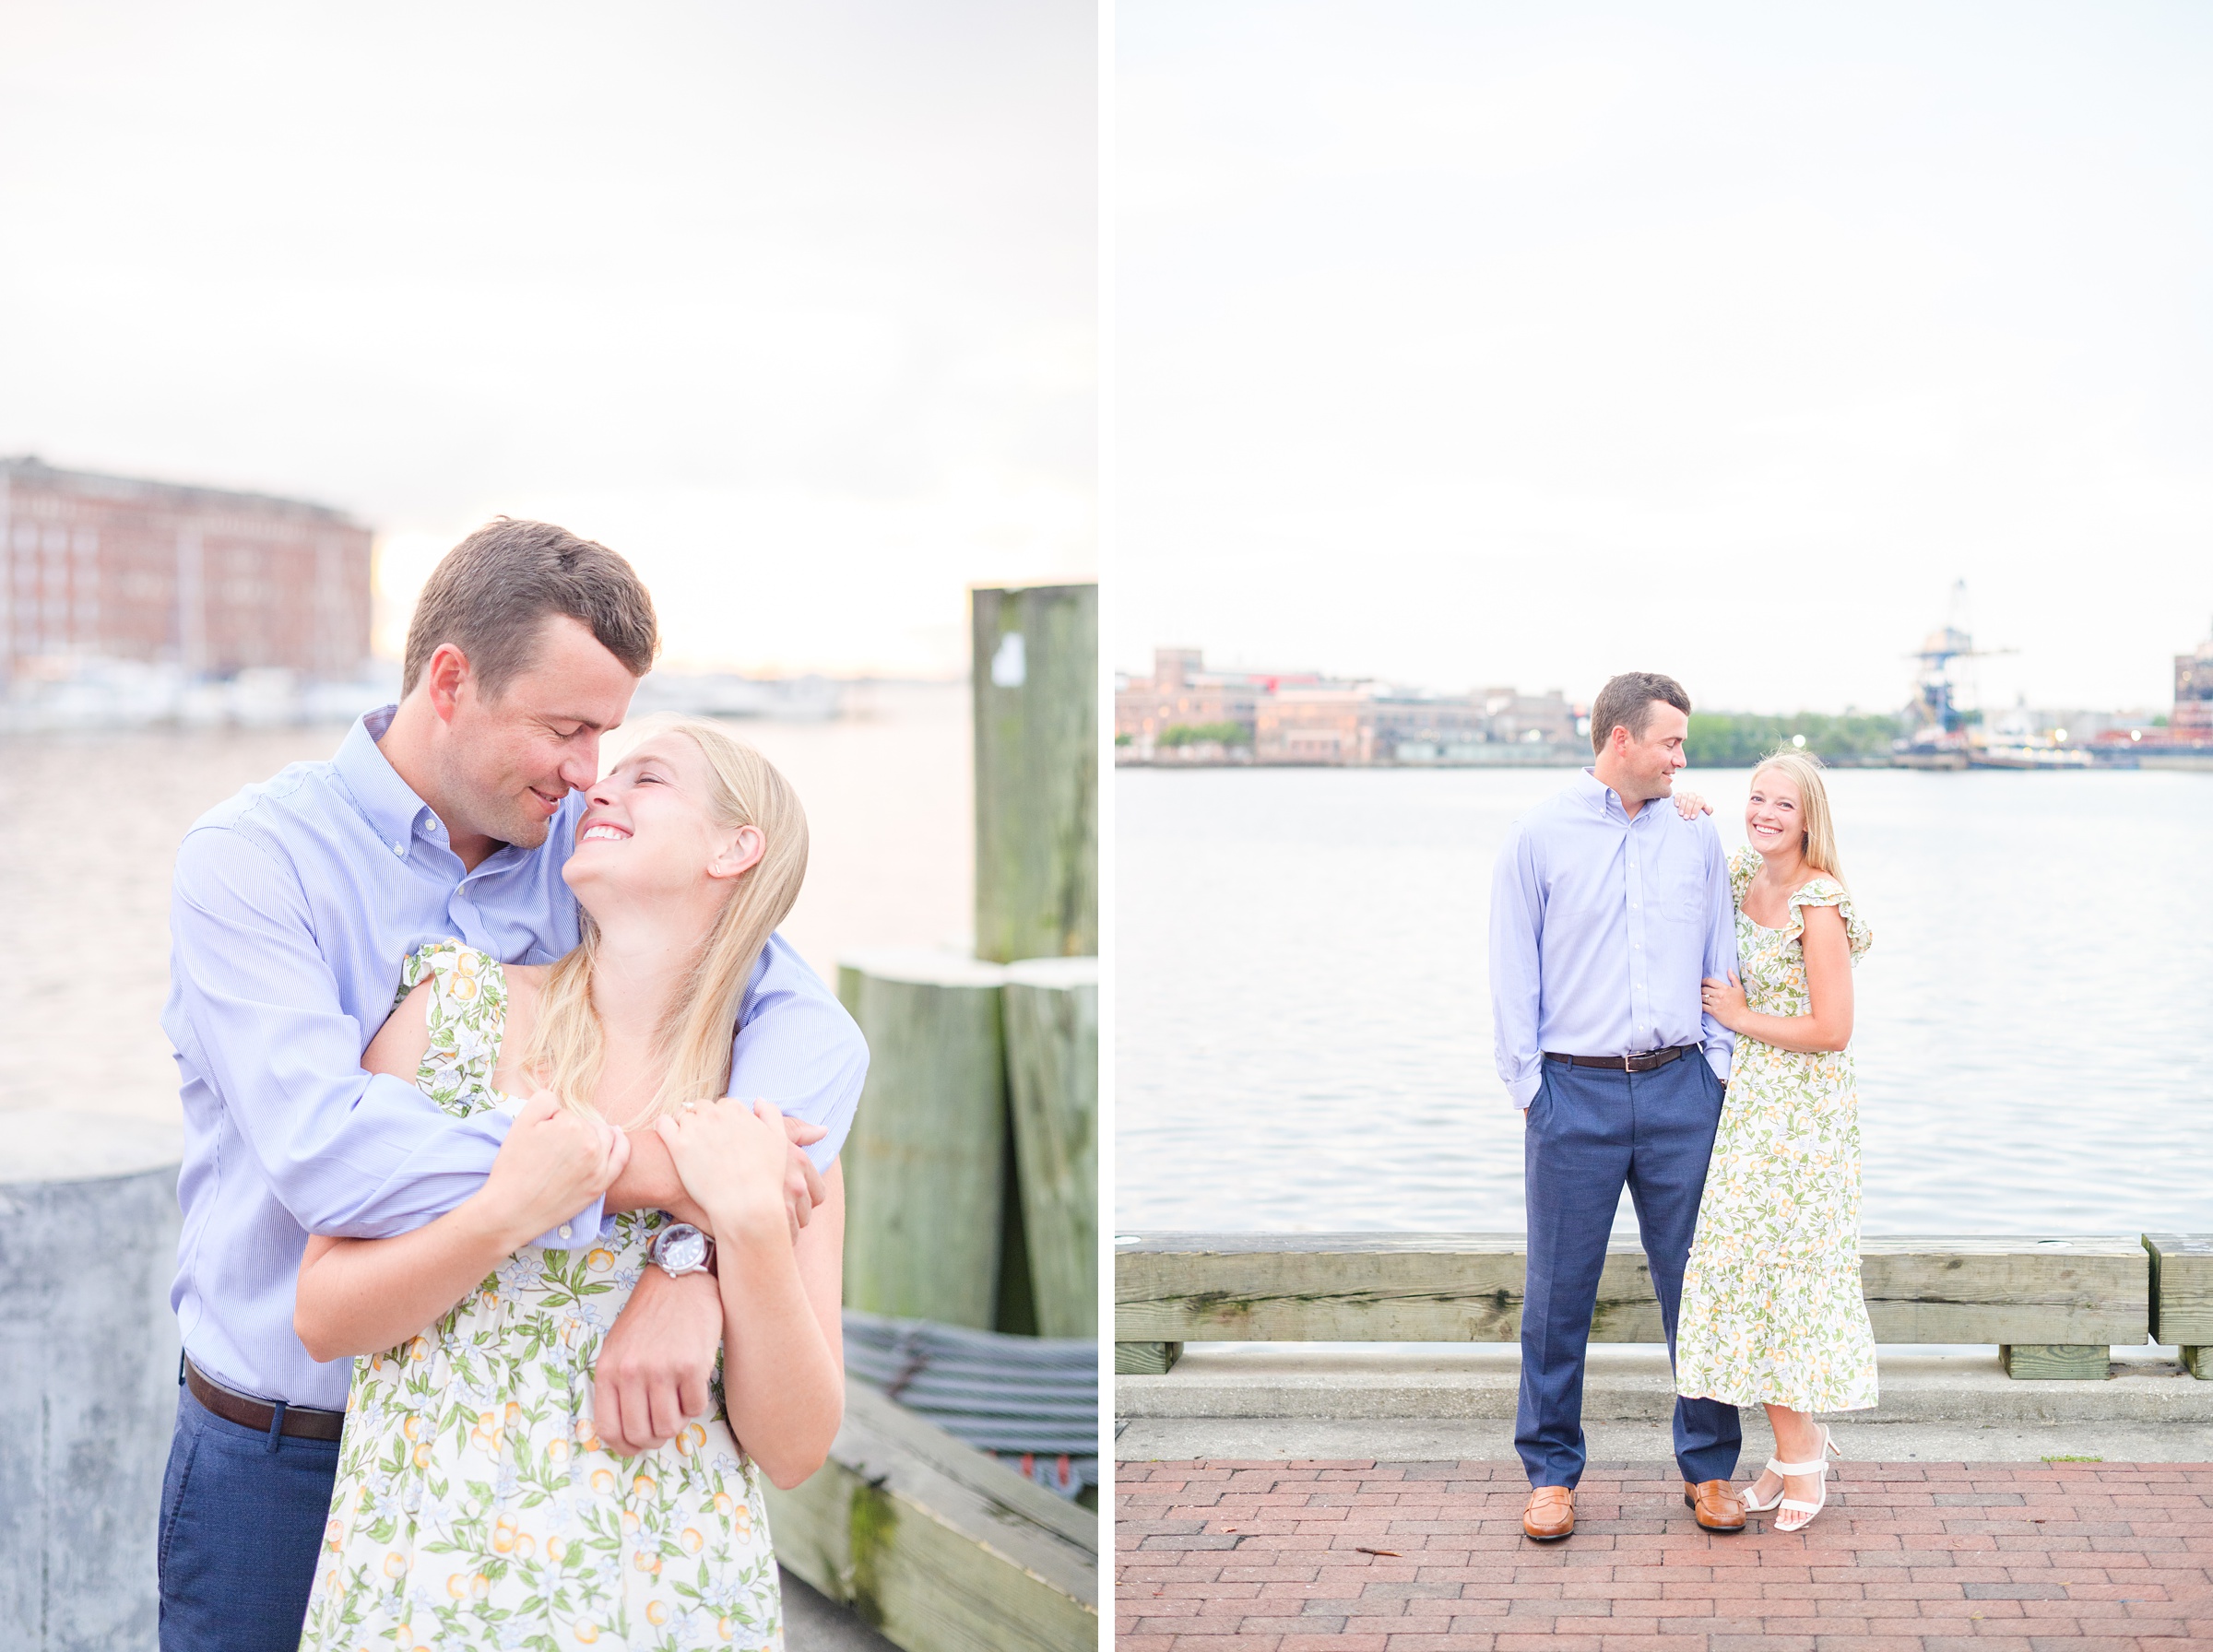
(683,1249)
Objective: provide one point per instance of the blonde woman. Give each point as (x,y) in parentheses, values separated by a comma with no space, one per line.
(1773,1313)
(476,1504)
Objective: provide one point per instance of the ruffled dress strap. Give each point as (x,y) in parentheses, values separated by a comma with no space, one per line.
(1828,891)
(467,1018)
(1744,866)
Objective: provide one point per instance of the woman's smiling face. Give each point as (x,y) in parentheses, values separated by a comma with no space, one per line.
(646,831)
(1775,814)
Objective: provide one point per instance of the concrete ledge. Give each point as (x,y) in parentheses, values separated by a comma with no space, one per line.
(1479,1381)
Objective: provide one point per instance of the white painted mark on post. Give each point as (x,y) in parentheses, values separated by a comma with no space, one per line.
(1010,666)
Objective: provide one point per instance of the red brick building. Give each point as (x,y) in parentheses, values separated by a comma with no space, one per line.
(214,583)
(2193,718)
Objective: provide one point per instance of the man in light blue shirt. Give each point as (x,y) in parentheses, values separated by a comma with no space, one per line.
(295,903)
(1607,908)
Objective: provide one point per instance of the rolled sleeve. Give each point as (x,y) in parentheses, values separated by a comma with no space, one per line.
(344,1151)
(1517,922)
(799,1049)
(1720,951)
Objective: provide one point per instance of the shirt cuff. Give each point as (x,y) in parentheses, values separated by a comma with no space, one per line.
(1719,1061)
(580,1231)
(1524,1090)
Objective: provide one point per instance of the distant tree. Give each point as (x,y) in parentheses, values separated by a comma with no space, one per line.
(1738,740)
(1201,734)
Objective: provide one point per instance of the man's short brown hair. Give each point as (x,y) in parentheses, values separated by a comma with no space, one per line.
(492,595)
(1626,702)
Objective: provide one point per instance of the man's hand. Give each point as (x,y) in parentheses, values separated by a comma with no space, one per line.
(654,1366)
(649,1182)
(803,1188)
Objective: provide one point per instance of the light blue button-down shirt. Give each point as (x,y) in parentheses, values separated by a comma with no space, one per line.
(294,906)
(1601,929)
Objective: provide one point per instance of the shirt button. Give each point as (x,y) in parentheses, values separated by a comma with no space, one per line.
(564,1229)
(399,848)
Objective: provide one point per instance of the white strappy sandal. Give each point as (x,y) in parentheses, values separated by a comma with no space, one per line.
(1819,1465)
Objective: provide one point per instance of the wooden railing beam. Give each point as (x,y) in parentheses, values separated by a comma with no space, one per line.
(2033,1295)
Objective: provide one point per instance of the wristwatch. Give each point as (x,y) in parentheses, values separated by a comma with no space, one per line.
(681,1248)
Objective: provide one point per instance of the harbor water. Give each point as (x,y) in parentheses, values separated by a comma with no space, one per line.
(1304,1041)
(89,838)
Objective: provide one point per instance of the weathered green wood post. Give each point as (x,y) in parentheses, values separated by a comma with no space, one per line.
(2182,1297)
(926,1163)
(1052,1032)
(1036,675)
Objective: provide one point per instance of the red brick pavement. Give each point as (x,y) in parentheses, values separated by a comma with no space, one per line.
(1912,1557)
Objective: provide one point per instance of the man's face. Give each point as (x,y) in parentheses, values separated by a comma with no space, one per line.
(1651,763)
(512,758)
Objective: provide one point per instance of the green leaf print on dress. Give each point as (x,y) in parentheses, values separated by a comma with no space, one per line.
(1772,1311)
(476,1506)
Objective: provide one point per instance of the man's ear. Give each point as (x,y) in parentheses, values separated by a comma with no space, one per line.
(445,678)
(740,855)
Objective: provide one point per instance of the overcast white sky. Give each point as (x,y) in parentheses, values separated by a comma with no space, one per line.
(1470,344)
(793,305)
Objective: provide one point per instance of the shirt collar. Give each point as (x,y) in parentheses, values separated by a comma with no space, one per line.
(1599,796)
(386,801)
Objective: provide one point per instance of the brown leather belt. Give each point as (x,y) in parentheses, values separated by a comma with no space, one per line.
(1624,1064)
(301,1422)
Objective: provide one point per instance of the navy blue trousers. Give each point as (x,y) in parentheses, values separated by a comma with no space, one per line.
(241,1517)
(1588,1132)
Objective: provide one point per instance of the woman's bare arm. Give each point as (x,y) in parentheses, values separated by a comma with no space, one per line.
(1827,953)
(783,1340)
(784,1368)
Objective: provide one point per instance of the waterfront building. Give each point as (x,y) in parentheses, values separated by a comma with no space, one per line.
(1154,715)
(1532,719)
(204,581)
(2193,718)
(1183,712)
(1335,725)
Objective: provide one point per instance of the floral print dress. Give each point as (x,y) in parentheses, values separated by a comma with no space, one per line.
(1772,1311)
(476,1506)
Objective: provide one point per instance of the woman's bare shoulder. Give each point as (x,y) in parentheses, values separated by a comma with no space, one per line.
(398,1049)
(1823,923)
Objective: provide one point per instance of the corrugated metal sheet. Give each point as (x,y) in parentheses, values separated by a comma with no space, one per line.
(1031,1401)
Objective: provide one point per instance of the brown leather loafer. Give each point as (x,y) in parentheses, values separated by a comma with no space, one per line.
(1718,1504)
(1550,1514)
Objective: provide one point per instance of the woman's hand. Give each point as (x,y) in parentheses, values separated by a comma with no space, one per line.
(1690,806)
(552,1164)
(732,1162)
(1724,1000)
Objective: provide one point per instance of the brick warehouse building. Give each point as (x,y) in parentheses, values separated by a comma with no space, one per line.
(211,582)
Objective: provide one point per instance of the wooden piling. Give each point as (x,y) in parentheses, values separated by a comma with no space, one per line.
(1052,1009)
(1036,691)
(925,1162)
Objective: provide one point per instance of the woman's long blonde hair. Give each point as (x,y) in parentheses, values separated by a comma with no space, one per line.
(1819,842)
(567,1044)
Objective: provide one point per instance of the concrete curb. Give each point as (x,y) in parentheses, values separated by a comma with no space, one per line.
(1318,1382)
(1492,1441)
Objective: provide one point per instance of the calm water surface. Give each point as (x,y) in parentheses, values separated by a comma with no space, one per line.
(88,838)
(1304,1033)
